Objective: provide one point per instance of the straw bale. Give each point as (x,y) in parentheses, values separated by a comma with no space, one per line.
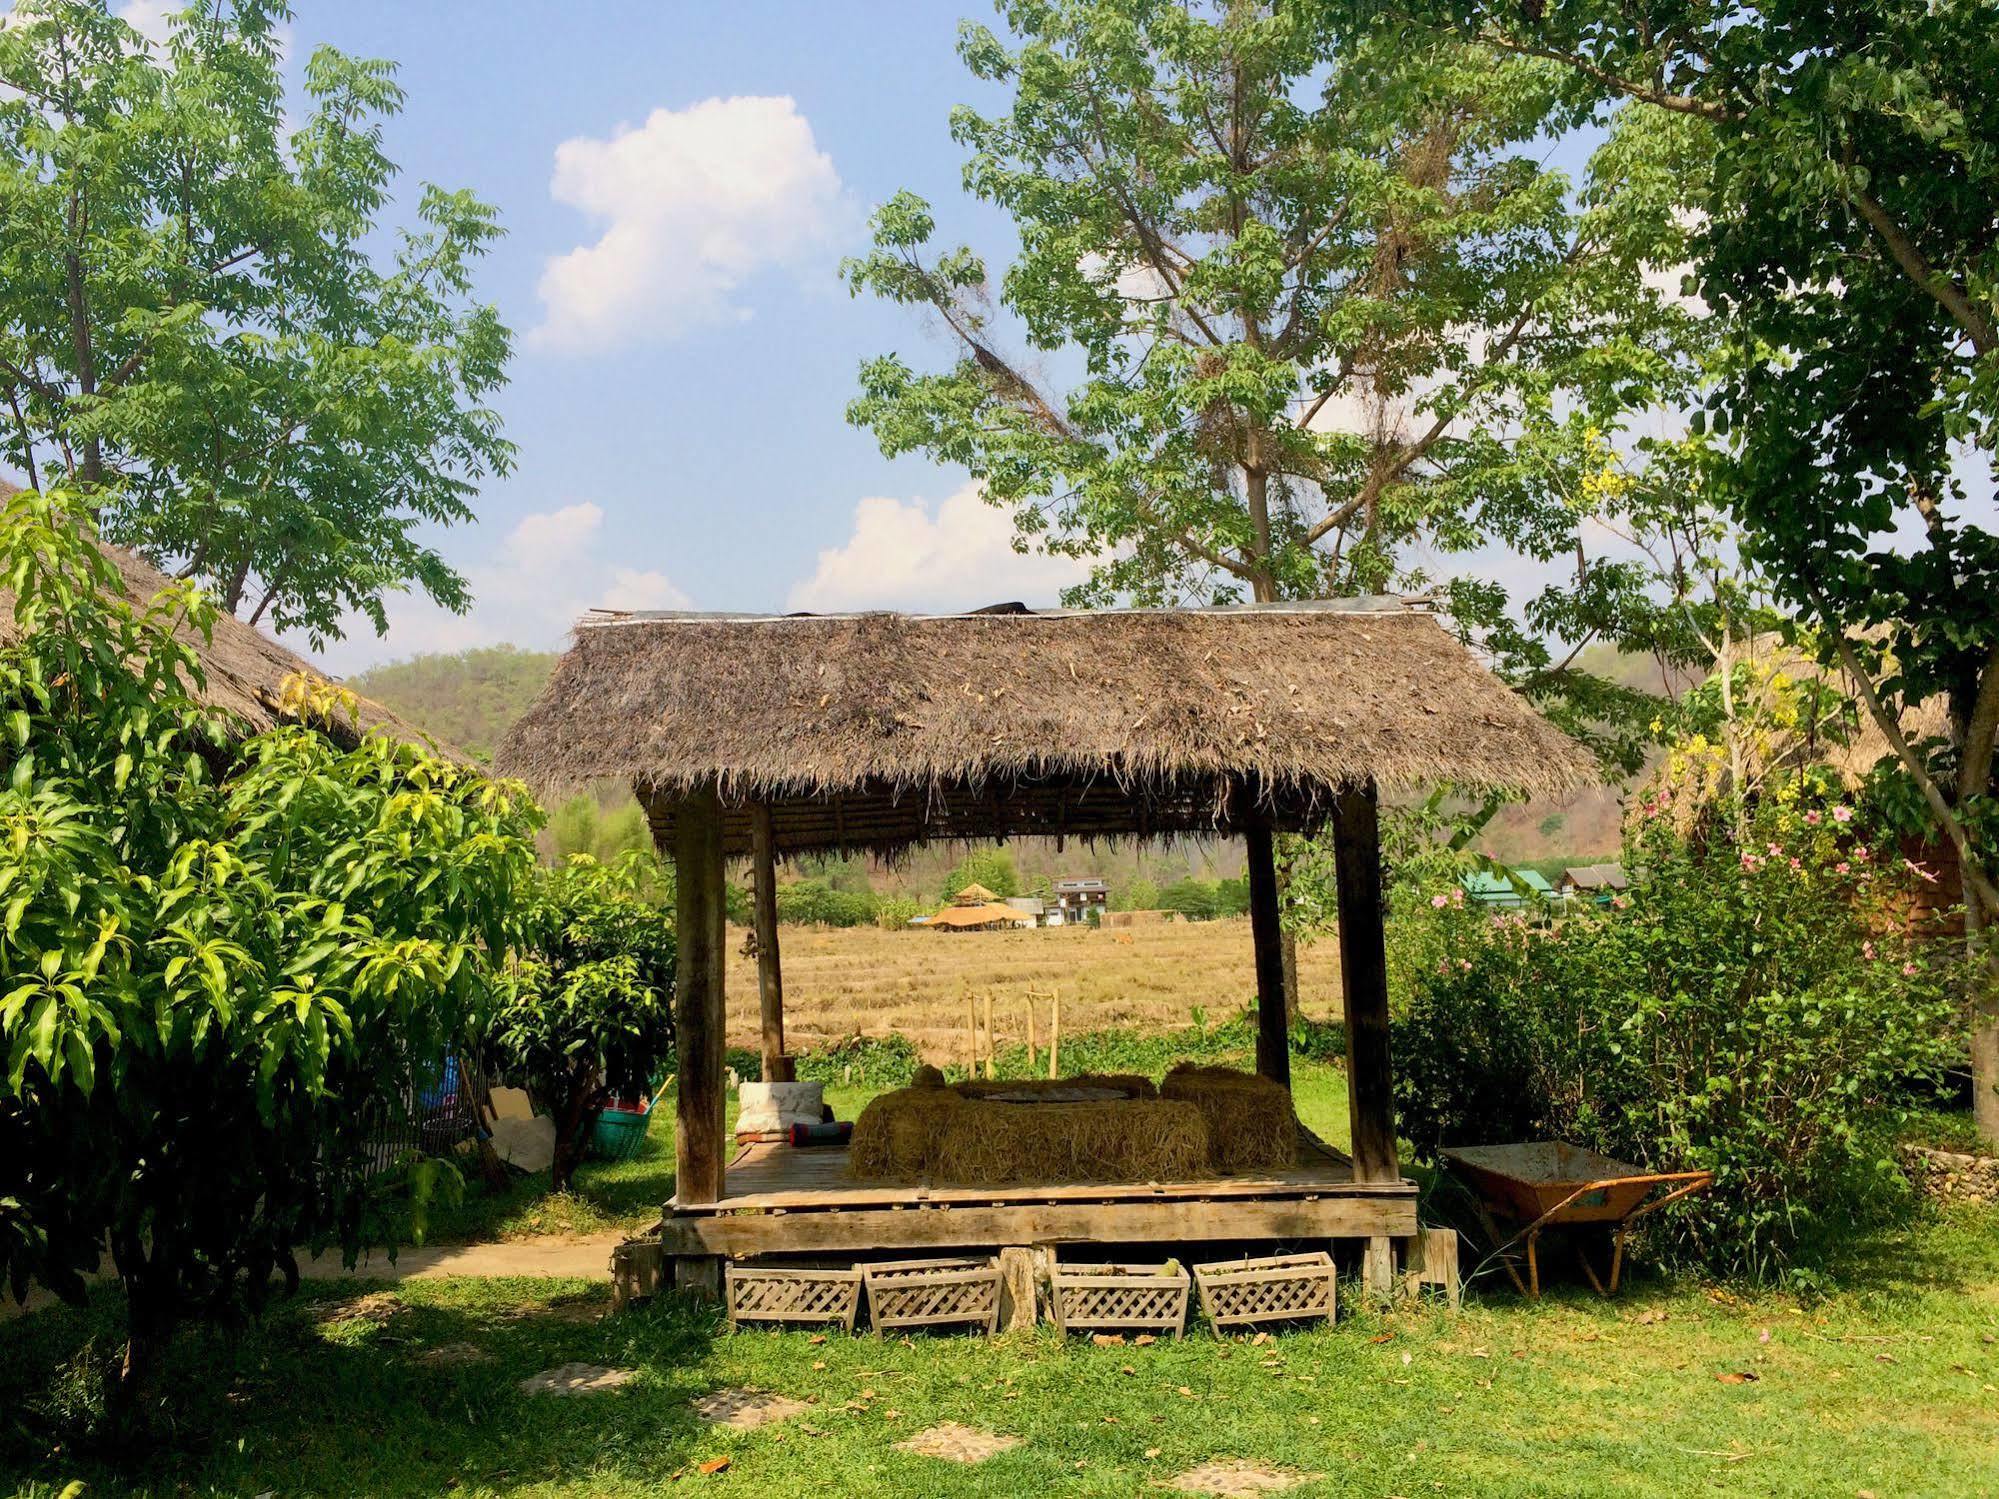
(1251,1124)
(1130,1084)
(1127,1140)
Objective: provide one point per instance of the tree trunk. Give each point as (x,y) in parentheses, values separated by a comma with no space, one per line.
(1978,935)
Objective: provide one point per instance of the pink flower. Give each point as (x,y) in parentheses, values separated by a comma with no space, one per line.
(1842,814)
(1440,901)
(1867,948)
(1812,817)
(1618,902)
(1842,867)
(1860,852)
(1908,970)
(1444,967)
(1776,850)
(1457,897)
(1797,866)
(1465,964)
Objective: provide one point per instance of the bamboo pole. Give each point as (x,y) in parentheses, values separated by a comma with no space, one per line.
(1054,1033)
(1030,1033)
(990,1047)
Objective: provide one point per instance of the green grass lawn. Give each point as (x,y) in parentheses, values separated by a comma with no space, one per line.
(627,1195)
(1888,1387)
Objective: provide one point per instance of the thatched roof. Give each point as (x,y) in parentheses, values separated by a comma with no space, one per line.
(245,670)
(883,730)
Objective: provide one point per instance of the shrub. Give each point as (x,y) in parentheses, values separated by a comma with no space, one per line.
(862,1062)
(815,903)
(225,964)
(1749,1008)
(991,867)
(586,1007)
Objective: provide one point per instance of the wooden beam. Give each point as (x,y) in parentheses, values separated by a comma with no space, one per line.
(1137,1222)
(1364,976)
(698,999)
(777,1067)
(1273,1033)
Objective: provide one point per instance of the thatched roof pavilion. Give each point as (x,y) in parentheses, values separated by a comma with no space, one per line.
(876,731)
(769,735)
(244,670)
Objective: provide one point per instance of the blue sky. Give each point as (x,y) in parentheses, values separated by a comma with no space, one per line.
(678,391)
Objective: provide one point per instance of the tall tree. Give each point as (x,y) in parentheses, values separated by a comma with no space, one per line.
(197,324)
(1850,239)
(1299,307)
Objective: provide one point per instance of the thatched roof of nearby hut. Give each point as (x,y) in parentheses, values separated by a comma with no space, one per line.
(244,669)
(883,730)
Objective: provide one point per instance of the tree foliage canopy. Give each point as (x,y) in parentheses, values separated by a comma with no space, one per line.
(206,310)
(226,964)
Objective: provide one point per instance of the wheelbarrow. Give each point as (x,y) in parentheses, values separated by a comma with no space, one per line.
(1545,1184)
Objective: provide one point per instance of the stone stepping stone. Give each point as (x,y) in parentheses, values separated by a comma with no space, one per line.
(958,1444)
(746,1410)
(576,1379)
(1233,1478)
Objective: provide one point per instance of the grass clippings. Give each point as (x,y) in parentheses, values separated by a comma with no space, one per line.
(1234,1478)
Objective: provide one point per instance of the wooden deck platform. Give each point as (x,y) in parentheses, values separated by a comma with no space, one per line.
(779,1200)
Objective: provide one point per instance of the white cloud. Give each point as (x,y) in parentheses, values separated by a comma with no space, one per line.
(696,202)
(901,556)
(544,574)
(149,17)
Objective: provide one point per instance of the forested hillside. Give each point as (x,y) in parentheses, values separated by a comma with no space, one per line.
(468,699)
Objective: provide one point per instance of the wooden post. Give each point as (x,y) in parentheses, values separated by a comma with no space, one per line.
(1273,1033)
(1017,1289)
(698,1000)
(972,1031)
(990,1046)
(777,1066)
(1364,976)
(1032,1049)
(1054,1033)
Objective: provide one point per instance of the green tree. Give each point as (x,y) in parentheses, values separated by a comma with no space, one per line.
(206,321)
(586,1007)
(1848,245)
(1323,299)
(222,966)
(991,867)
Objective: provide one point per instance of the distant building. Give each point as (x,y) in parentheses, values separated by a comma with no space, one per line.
(1033,907)
(1594,882)
(1501,893)
(1082,900)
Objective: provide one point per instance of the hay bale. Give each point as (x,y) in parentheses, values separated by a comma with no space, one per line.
(1250,1121)
(897,1132)
(1121,1140)
(938,1134)
(1130,1084)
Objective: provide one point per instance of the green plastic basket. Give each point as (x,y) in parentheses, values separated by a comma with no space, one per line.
(618,1134)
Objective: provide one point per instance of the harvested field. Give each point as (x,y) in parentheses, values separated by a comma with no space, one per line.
(1149,978)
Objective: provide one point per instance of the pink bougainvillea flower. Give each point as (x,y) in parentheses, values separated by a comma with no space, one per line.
(1440,901)
(1842,867)
(1860,852)
(1797,865)
(1842,814)
(1812,817)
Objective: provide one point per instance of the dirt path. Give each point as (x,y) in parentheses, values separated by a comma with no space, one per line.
(556,1257)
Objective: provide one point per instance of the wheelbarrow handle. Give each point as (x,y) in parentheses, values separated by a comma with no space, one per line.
(1693,1182)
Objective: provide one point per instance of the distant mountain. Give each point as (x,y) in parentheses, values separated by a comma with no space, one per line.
(469,699)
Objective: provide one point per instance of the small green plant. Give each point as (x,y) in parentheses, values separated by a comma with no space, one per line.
(586,1007)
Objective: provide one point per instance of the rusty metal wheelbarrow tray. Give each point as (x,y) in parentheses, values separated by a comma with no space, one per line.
(1538,1184)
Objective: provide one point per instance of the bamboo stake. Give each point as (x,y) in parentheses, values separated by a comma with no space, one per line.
(990,1047)
(972,1031)
(1055,1033)
(1030,1032)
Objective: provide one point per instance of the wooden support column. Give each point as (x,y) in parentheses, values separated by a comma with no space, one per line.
(698,1001)
(1273,1032)
(777,1066)
(1364,976)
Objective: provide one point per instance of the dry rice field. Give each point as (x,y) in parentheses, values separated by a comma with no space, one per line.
(838,981)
